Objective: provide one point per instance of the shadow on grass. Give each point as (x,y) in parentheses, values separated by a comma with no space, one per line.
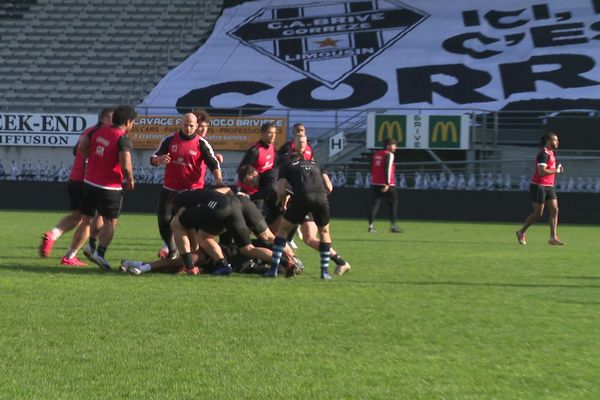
(477,284)
(52,269)
(577,277)
(94,271)
(581,303)
(435,241)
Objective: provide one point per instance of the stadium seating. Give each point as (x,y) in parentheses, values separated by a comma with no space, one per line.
(81,55)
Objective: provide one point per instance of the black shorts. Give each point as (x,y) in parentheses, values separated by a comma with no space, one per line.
(75,191)
(106,203)
(252,215)
(309,218)
(315,203)
(210,219)
(541,194)
(239,232)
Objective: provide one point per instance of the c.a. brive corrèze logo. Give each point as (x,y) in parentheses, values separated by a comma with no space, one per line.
(344,35)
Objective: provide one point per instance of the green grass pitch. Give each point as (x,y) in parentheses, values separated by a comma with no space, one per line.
(442,311)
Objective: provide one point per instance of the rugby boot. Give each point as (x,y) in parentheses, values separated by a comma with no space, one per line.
(46,245)
(72,262)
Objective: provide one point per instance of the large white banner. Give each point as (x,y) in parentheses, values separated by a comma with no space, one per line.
(49,130)
(331,55)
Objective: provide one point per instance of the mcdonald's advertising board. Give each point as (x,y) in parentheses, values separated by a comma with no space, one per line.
(418,131)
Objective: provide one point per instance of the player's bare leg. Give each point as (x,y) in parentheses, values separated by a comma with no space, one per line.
(553,220)
(538,212)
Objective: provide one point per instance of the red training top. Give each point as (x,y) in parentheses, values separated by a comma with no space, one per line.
(78,168)
(383,169)
(545,157)
(265,159)
(103,167)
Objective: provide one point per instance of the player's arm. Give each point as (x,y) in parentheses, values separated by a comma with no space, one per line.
(250,157)
(211,161)
(327,183)
(389,161)
(84,145)
(280,158)
(543,170)
(161,155)
(125,147)
(542,165)
(282,189)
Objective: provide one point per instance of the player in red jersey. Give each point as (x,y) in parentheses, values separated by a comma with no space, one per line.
(203,125)
(185,155)
(290,146)
(542,189)
(109,161)
(262,157)
(75,191)
(383,185)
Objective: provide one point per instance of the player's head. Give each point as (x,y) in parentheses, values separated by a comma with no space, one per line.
(268,132)
(202,117)
(248,175)
(124,116)
(189,124)
(299,130)
(391,144)
(300,143)
(549,140)
(105,116)
(296,155)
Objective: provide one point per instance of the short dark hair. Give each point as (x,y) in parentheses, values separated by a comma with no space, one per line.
(266,126)
(201,114)
(295,156)
(123,114)
(547,136)
(104,113)
(244,171)
(389,141)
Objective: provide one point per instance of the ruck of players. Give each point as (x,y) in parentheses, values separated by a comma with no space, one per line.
(206,229)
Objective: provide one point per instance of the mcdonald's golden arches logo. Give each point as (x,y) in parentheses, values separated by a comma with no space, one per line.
(444,128)
(390,127)
(444,131)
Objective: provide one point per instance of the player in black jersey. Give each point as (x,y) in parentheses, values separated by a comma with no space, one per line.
(203,215)
(308,186)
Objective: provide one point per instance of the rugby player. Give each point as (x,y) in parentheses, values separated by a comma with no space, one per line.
(185,155)
(75,191)
(541,188)
(308,186)
(383,185)
(108,151)
(262,157)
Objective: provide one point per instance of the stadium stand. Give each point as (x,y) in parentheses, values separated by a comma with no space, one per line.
(79,55)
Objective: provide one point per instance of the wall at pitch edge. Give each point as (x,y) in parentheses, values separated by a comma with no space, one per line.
(497,206)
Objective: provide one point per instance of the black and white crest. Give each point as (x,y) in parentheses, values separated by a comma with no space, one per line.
(328,41)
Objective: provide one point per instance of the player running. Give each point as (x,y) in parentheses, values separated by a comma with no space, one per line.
(543,193)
